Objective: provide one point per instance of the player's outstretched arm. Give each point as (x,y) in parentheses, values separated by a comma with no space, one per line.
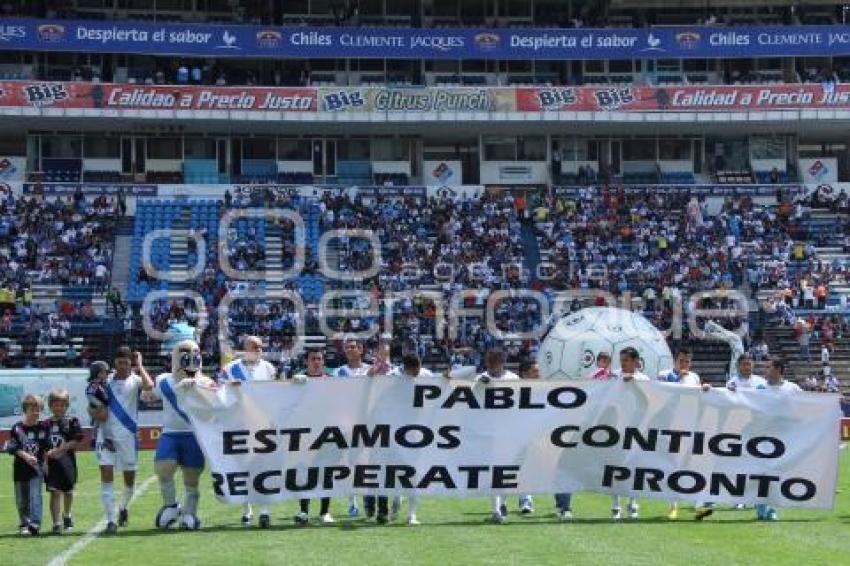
(147,383)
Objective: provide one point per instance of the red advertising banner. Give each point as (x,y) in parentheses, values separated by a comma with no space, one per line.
(683,98)
(724,98)
(155,97)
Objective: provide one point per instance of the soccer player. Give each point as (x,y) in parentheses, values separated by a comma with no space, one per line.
(776,382)
(494,368)
(66,437)
(354,367)
(411,368)
(250,367)
(682,375)
(382,366)
(29,441)
(629,372)
(528,369)
(743,379)
(120,451)
(315,370)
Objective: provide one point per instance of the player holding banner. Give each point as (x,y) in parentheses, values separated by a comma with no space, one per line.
(629,372)
(120,451)
(681,374)
(251,367)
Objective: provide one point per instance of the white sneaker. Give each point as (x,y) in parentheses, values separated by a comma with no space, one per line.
(302,518)
(25,531)
(633,511)
(413,521)
(327,519)
(739,506)
(616,514)
(526,509)
(565,515)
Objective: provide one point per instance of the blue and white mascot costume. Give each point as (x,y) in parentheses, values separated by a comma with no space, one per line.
(177,445)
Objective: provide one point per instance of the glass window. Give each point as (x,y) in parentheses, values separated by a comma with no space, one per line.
(696,65)
(354,150)
(620,66)
(531,148)
(289,149)
(500,149)
(767,147)
(258,148)
(13,147)
(390,149)
(296,7)
(668,65)
(165,148)
(199,148)
(639,150)
(674,150)
(66,147)
(594,66)
(102,147)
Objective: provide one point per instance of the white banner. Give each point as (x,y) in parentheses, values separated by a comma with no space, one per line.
(272,441)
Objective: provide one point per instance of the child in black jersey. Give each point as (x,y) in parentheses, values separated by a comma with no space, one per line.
(29,442)
(66,436)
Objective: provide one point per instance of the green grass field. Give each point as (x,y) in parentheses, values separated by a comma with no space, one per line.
(453,532)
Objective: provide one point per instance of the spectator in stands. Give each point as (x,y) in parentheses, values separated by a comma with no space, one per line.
(760,350)
(831,384)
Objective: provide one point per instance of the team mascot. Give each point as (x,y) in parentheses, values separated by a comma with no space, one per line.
(177,445)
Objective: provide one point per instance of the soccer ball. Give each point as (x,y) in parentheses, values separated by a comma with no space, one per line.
(167,516)
(570,348)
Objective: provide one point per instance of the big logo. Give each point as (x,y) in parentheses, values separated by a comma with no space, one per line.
(45,94)
(343,99)
(613,98)
(50,33)
(556,98)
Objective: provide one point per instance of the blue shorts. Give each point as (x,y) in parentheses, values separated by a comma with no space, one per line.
(182,447)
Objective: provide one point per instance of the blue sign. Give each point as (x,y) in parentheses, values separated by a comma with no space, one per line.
(395,43)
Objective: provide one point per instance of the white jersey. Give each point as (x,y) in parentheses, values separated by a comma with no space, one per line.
(507,375)
(399,372)
(172,420)
(240,370)
(636,376)
(346,371)
(784,387)
(124,392)
(754,382)
(690,379)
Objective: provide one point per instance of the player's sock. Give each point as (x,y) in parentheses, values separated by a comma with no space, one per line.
(128,495)
(412,503)
(246,510)
(107,496)
(168,491)
(497,504)
(264,511)
(190,501)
